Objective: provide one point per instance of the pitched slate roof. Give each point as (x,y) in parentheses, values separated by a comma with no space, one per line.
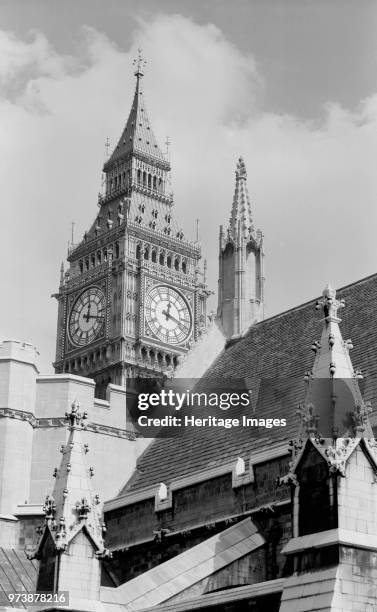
(272,358)
(17,574)
(190,567)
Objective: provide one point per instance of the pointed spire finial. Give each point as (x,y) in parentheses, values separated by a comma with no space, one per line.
(241,169)
(241,219)
(329,303)
(139,64)
(75,417)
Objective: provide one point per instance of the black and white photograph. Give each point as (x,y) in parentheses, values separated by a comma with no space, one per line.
(188,322)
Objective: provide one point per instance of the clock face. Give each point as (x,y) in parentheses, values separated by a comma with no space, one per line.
(168,315)
(87,316)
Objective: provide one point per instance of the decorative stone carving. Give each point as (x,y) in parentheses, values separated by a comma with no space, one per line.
(83,508)
(75,417)
(49,508)
(309,419)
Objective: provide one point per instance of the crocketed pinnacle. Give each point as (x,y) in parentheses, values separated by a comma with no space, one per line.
(241,215)
(137,136)
(333,402)
(73,507)
(332,357)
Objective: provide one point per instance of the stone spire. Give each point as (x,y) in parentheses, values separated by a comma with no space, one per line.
(241,220)
(74,528)
(137,137)
(241,279)
(334,416)
(332,476)
(333,402)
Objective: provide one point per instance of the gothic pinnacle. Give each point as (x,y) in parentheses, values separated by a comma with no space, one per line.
(333,392)
(241,221)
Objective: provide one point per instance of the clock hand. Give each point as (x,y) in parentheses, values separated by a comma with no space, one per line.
(87,316)
(180,323)
(167,312)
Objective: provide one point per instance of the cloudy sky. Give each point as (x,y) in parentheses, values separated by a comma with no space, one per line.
(288,84)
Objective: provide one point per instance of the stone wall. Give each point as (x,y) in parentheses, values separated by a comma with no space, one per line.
(197,512)
(201,503)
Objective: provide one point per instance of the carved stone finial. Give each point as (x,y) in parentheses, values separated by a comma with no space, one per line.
(49,508)
(60,538)
(241,169)
(83,508)
(309,419)
(75,417)
(139,62)
(329,303)
(360,417)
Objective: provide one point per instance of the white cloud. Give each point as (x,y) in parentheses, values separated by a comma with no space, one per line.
(312,184)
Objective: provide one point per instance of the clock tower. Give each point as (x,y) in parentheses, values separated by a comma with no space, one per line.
(133,298)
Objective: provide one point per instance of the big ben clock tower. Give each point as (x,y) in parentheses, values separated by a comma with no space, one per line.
(133,299)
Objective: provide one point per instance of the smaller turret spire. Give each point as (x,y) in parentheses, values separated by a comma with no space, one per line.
(241,277)
(241,218)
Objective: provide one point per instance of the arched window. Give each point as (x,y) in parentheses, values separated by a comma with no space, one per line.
(138,251)
(154,256)
(99,258)
(149,181)
(176,264)
(116,250)
(139,176)
(86,264)
(160,184)
(146,253)
(155,182)
(162,259)
(168,261)
(81,266)
(144,179)
(184,267)
(93,260)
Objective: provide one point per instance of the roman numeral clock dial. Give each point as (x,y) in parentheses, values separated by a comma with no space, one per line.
(87,317)
(168,315)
